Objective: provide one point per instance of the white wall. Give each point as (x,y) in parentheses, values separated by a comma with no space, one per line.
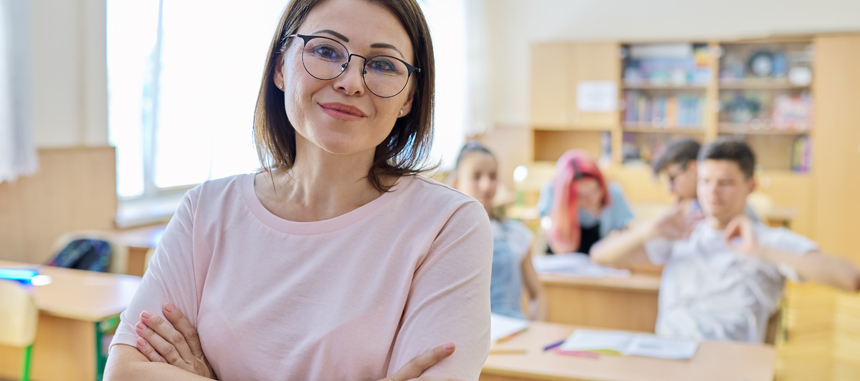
(515,24)
(70,74)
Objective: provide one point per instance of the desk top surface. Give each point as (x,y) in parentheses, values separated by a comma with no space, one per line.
(636,282)
(82,295)
(145,237)
(714,360)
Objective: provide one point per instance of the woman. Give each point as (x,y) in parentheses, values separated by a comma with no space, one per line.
(475,175)
(580,205)
(337,261)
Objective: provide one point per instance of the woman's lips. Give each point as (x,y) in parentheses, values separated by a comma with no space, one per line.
(342,112)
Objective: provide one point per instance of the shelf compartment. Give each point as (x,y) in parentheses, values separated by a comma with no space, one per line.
(747,129)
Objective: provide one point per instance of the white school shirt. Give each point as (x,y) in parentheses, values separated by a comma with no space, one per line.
(708,292)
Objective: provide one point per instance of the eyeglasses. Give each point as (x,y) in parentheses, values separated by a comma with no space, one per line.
(325,59)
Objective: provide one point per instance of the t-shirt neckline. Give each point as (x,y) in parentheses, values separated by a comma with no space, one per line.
(316,227)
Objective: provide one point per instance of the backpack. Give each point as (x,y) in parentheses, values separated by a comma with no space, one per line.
(84,254)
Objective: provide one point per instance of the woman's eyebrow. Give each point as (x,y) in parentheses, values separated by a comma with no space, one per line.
(345,39)
(333,33)
(386,46)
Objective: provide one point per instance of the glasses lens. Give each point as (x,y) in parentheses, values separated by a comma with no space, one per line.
(324,58)
(385,76)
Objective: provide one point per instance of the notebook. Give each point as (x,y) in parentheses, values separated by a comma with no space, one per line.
(503,327)
(630,344)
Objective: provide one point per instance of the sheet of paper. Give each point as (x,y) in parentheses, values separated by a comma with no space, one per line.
(503,326)
(629,344)
(576,264)
(597,96)
(654,346)
(594,340)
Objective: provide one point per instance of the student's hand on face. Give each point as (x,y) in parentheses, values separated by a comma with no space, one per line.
(174,343)
(413,369)
(677,223)
(740,236)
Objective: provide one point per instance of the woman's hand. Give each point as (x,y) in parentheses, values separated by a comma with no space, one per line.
(413,369)
(174,343)
(177,343)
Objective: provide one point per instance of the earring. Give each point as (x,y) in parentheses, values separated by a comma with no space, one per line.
(401,112)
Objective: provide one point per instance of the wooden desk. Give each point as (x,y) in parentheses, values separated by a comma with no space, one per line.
(70,309)
(616,303)
(139,241)
(714,361)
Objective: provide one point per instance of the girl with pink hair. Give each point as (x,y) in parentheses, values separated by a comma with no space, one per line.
(583,208)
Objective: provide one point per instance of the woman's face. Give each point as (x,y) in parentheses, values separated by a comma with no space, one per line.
(477,177)
(589,195)
(340,115)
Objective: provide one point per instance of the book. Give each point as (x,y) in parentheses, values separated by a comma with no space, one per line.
(630,344)
(503,327)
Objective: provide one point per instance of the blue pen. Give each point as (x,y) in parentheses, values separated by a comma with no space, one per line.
(553,345)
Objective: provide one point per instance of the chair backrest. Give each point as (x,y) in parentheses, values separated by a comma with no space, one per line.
(774,326)
(119,253)
(18,315)
(146,259)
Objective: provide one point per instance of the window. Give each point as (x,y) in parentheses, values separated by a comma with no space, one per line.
(183,79)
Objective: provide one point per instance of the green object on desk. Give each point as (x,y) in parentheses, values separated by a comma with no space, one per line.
(28,355)
(101,329)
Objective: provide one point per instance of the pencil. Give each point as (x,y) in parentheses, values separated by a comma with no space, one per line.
(508,351)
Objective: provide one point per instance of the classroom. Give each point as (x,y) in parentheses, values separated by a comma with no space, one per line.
(506,190)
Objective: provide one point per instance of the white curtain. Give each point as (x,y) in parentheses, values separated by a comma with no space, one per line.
(17,151)
(460,44)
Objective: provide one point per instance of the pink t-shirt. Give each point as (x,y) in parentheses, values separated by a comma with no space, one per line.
(354,297)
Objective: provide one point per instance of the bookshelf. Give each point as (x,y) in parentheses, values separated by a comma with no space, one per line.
(745,89)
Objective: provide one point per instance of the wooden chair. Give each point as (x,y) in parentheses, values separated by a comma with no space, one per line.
(119,256)
(18,320)
(146,259)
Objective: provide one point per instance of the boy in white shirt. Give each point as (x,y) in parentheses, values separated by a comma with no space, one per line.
(723,275)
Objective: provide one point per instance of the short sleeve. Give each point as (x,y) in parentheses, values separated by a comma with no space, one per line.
(751,214)
(621,215)
(168,279)
(786,240)
(544,205)
(659,250)
(520,238)
(449,300)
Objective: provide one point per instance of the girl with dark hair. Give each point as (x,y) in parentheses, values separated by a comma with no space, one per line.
(336,262)
(475,174)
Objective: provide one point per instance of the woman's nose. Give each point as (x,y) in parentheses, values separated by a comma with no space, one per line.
(351,81)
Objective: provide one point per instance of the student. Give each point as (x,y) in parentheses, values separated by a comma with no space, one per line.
(337,262)
(723,276)
(678,163)
(583,208)
(475,175)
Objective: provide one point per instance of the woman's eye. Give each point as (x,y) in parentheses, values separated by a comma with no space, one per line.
(382,66)
(327,52)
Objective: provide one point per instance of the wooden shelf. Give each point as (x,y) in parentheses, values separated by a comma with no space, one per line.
(734,128)
(661,87)
(650,128)
(761,85)
(573,128)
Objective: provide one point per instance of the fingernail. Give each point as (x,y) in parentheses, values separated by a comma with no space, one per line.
(146,315)
(139,326)
(141,342)
(169,307)
(449,347)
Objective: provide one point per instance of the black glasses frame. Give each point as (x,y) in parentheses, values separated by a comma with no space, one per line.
(305,38)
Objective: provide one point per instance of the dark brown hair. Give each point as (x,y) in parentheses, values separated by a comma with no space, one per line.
(680,152)
(732,150)
(405,149)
